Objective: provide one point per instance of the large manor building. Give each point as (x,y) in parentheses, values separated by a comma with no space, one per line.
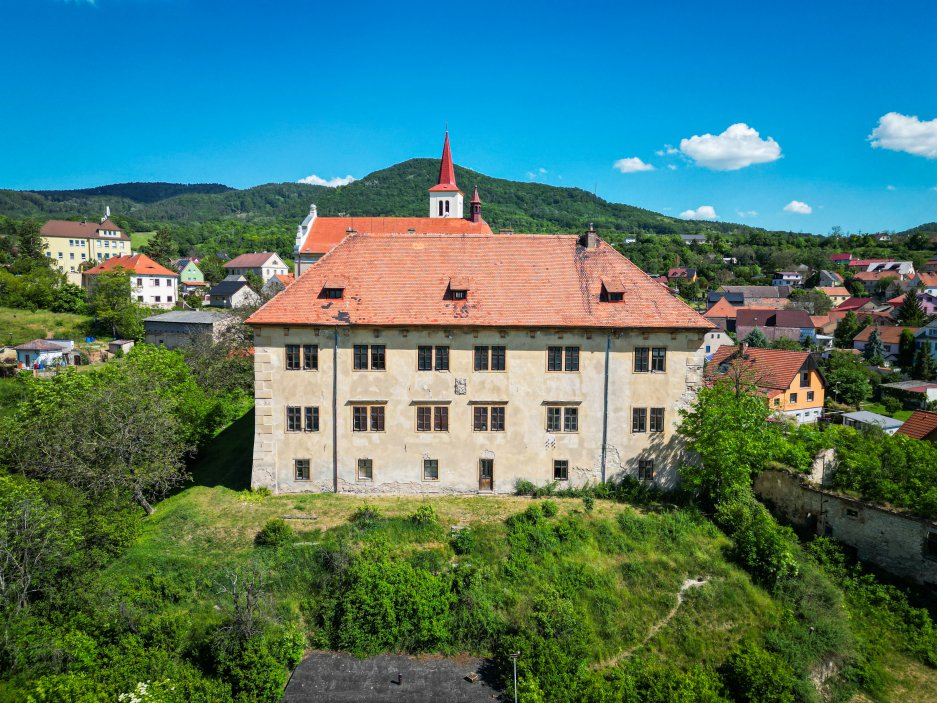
(69,244)
(417,357)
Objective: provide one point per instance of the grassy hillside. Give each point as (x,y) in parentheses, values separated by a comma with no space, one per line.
(19,326)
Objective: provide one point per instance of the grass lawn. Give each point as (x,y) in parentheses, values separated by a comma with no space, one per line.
(138,239)
(20,326)
(880,409)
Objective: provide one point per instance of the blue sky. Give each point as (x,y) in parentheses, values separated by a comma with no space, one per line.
(245,93)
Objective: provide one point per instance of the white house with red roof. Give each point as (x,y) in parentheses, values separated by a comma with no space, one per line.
(316,236)
(264,264)
(151,284)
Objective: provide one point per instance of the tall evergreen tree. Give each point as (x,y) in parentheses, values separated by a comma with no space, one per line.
(910,312)
(757,338)
(874,351)
(924,367)
(906,350)
(29,242)
(161,248)
(846,330)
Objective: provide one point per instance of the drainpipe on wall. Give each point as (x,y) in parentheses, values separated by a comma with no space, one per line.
(608,348)
(335,413)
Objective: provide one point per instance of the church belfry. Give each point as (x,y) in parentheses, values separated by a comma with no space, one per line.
(445,198)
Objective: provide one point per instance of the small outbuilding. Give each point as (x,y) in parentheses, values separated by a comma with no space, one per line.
(180,327)
(863,419)
(40,353)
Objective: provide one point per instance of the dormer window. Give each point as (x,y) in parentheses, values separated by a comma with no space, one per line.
(459,294)
(458,289)
(333,290)
(613,291)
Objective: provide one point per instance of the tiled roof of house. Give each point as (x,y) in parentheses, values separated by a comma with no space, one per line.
(722,308)
(864,263)
(327,232)
(834,291)
(770,368)
(759,291)
(249,261)
(753,317)
(928,279)
(888,335)
(873,276)
(921,425)
(285,278)
(139,264)
(40,345)
(516,281)
(897,300)
(853,304)
(84,229)
(840,257)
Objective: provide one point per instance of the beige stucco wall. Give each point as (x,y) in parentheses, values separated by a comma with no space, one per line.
(524,450)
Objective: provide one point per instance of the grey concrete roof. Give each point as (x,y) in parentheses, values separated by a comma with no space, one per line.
(870,418)
(329,677)
(202,317)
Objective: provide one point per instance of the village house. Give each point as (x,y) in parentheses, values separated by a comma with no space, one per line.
(266,265)
(69,243)
(189,272)
(864,420)
(927,282)
(776,324)
(458,378)
(837,294)
(760,296)
(715,339)
(181,327)
(863,264)
(42,353)
(791,381)
(794,279)
(840,259)
(928,333)
(829,279)
(921,425)
(233,292)
(890,336)
(277,284)
(150,283)
(688,275)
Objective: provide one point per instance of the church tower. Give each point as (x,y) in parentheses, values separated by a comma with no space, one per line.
(445,198)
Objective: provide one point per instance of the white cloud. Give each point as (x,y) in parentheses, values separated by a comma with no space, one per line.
(747,213)
(739,146)
(668,150)
(889,187)
(672,167)
(703,212)
(331,183)
(899,132)
(632,164)
(798,207)
(534,175)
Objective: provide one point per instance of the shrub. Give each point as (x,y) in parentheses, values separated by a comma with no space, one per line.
(754,675)
(761,544)
(366,517)
(463,541)
(276,533)
(892,404)
(523,487)
(424,515)
(588,503)
(255,495)
(253,671)
(549,508)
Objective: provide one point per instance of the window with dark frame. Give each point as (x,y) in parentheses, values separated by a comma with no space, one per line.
(424,416)
(377,418)
(312,419)
(497,418)
(554,419)
(570,419)
(805,379)
(292,357)
(377,357)
(311,357)
(459,294)
(365,469)
(571,363)
(554,358)
(481,358)
(657,420)
(645,469)
(301,469)
(480,418)
(294,418)
(560,470)
(498,358)
(641,359)
(562,358)
(659,359)
(793,397)
(431,469)
(432,358)
(639,420)
(359,414)
(440,419)
(361,357)
(810,396)
(424,359)
(332,293)
(442,358)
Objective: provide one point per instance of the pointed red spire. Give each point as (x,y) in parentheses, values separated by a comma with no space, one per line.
(475,199)
(446,169)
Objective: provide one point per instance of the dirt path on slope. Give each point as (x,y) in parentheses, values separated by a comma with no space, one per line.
(686,586)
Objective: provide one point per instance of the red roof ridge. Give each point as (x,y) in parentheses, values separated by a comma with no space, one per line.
(140,264)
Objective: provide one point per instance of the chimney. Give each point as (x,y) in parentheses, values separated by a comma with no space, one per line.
(590,240)
(743,349)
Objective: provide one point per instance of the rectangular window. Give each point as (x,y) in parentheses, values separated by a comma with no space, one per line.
(480,418)
(645,469)
(572,359)
(641,359)
(805,379)
(168,298)
(424,360)
(377,357)
(497,419)
(498,358)
(71,255)
(431,469)
(312,419)
(659,359)
(361,357)
(554,419)
(359,415)
(292,357)
(301,469)
(377,418)
(554,358)
(440,419)
(639,420)
(560,470)
(481,358)
(810,396)
(442,358)
(423,418)
(156,298)
(657,420)
(293,418)
(930,545)
(332,293)
(570,419)
(793,397)
(310,357)
(365,470)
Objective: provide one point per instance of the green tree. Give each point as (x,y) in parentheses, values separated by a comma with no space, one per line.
(30,244)
(847,379)
(161,247)
(113,307)
(786,343)
(846,330)
(924,367)
(884,284)
(255,282)
(906,350)
(910,313)
(68,298)
(857,288)
(874,350)
(814,302)
(757,338)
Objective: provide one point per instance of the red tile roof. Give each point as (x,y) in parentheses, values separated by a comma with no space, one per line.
(840,257)
(249,261)
(864,263)
(872,276)
(834,290)
(852,304)
(327,232)
(285,278)
(888,335)
(928,279)
(140,264)
(921,425)
(85,229)
(517,281)
(897,300)
(770,368)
